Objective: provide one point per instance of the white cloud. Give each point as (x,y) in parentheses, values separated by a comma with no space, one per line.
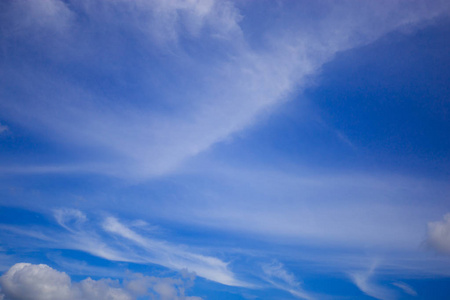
(166,288)
(175,257)
(279,277)
(69,218)
(129,246)
(311,206)
(365,282)
(438,236)
(214,100)
(405,288)
(25,281)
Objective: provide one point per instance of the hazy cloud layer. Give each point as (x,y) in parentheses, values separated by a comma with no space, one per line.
(180,104)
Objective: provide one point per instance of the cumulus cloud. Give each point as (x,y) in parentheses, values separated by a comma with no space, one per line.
(438,235)
(165,288)
(25,281)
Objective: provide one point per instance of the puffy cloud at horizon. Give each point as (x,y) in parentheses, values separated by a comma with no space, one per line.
(438,235)
(25,281)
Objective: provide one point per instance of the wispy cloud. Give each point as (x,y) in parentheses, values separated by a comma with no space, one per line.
(365,281)
(173,256)
(405,288)
(276,274)
(141,249)
(212,101)
(313,207)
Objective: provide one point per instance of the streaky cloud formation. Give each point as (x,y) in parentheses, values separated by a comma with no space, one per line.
(175,257)
(138,248)
(40,282)
(114,241)
(273,149)
(406,288)
(278,276)
(365,282)
(134,138)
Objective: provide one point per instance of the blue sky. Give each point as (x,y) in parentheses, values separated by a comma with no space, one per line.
(206,149)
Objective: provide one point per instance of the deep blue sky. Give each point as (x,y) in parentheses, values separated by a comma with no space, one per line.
(224,150)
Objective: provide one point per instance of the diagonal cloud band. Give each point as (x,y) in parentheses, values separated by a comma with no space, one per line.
(179,101)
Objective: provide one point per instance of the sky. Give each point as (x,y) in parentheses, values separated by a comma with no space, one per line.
(215,149)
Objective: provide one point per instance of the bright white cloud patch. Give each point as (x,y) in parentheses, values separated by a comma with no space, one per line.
(40,282)
(438,237)
(25,281)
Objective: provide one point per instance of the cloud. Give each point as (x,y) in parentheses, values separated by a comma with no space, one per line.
(69,218)
(124,244)
(25,281)
(279,277)
(175,257)
(40,18)
(365,282)
(165,288)
(438,235)
(311,206)
(187,95)
(3,128)
(405,288)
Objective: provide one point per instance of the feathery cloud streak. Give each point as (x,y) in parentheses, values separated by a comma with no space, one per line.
(186,101)
(136,248)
